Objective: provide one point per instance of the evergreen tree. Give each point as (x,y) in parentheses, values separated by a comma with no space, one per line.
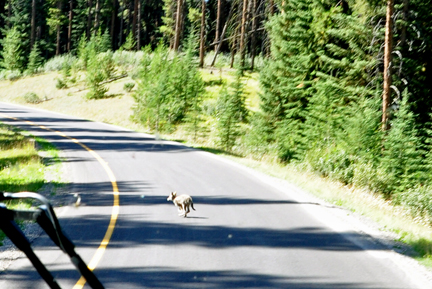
(13,52)
(157,104)
(286,79)
(35,59)
(319,69)
(403,158)
(230,113)
(168,20)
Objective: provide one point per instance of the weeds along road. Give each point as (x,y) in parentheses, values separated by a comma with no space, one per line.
(245,232)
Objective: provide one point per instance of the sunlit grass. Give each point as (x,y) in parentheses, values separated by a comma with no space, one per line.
(21,166)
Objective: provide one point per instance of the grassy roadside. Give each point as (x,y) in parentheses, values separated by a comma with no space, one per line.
(24,164)
(118,109)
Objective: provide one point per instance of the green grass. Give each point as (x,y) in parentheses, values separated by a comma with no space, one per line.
(21,166)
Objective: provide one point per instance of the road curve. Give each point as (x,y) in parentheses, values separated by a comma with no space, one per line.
(246,231)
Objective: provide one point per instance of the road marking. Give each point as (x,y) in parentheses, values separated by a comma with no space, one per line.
(116,203)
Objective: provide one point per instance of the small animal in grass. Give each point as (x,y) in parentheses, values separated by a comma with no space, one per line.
(182,202)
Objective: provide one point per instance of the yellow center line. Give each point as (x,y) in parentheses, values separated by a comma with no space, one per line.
(116,203)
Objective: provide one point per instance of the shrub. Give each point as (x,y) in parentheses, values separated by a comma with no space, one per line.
(418,200)
(57,63)
(35,60)
(60,84)
(169,89)
(13,75)
(31,97)
(128,86)
(100,67)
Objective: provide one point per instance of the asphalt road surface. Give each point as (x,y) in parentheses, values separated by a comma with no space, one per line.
(247,231)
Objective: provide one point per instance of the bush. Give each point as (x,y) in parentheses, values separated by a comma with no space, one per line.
(13,75)
(60,84)
(418,200)
(127,58)
(31,97)
(57,63)
(169,88)
(332,162)
(35,60)
(100,67)
(373,178)
(128,86)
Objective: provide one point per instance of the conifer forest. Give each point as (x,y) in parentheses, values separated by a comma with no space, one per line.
(345,85)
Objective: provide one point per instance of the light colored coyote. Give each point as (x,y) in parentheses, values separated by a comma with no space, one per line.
(182,202)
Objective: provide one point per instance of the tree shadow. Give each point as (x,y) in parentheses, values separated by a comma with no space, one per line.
(96,139)
(171,277)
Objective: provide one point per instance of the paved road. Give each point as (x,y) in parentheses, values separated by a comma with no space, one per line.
(245,232)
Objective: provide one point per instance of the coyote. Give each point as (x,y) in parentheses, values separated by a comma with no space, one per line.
(182,202)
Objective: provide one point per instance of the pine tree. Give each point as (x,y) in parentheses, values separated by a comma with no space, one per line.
(13,52)
(287,79)
(230,113)
(35,59)
(403,158)
(167,29)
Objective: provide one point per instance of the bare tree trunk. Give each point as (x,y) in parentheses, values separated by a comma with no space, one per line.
(253,36)
(138,27)
(89,17)
(113,21)
(97,12)
(69,43)
(218,21)
(233,49)
(243,35)
(222,35)
(202,36)
(178,24)
(387,62)
(134,21)
(120,43)
(33,24)
(272,9)
(59,7)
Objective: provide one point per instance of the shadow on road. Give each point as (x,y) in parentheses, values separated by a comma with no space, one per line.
(166,277)
(96,139)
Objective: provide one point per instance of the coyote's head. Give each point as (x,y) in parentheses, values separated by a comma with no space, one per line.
(172,196)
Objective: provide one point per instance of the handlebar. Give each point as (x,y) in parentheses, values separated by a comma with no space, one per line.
(45,216)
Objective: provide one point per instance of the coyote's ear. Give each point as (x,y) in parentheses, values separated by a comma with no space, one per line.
(174,193)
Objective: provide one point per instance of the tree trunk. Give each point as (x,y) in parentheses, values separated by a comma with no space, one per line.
(33,24)
(97,13)
(243,35)
(233,49)
(218,21)
(387,62)
(89,17)
(113,22)
(69,43)
(138,26)
(222,35)
(271,8)
(202,36)
(178,24)
(59,6)
(123,6)
(253,36)
(134,20)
